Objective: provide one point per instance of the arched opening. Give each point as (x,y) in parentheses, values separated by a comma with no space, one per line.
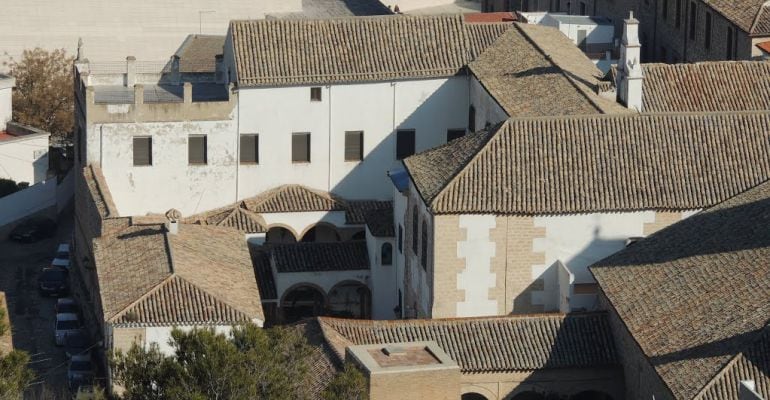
(321,233)
(591,395)
(360,235)
(386,254)
(528,396)
(473,396)
(350,299)
(279,234)
(302,301)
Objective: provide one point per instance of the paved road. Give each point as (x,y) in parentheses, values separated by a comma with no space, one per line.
(32,316)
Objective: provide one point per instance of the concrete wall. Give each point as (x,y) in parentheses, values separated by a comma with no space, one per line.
(24,159)
(112,30)
(45,196)
(595,34)
(430,107)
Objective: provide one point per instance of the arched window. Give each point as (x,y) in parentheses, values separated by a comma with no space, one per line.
(424,255)
(386,254)
(415,225)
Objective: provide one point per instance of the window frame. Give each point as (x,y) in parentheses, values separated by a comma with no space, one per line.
(413,145)
(205,149)
(316,94)
(149,150)
(255,136)
(360,151)
(383,253)
(308,158)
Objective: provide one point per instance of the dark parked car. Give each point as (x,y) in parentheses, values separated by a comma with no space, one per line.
(53,282)
(34,229)
(78,344)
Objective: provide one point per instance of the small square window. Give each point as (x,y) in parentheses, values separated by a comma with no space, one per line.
(404,143)
(142,150)
(315,94)
(300,147)
(354,146)
(250,149)
(453,134)
(197,152)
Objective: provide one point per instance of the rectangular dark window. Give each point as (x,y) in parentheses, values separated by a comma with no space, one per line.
(664,9)
(453,134)
(354,145)
(678,21)
(315,94)
(249,149)
(142,150)
(693,14)
(196,149)
(300,147)
(404,143)
(707,40)
(582,8)
(400,239)
(472,119)
(729,42)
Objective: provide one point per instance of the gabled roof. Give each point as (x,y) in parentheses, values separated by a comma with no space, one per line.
(696,297)
(598,163)
(293,198)
(534,70)
(335,9)
(234,216)
(705,86)
(376,215)
(136,267)
(300,52)
(320,256)
(747,15)
(490,344)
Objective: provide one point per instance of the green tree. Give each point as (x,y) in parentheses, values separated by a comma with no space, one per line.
(350,384)
(44,95)
(252,363)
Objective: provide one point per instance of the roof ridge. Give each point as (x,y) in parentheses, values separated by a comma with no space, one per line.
(349,18)
(143,297)
(756,17)
(426,321)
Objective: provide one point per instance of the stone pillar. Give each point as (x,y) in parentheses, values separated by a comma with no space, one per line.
(130,71)
(138,94)
(630,77)
(187,92)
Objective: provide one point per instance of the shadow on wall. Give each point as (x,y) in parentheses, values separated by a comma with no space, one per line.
(371,174)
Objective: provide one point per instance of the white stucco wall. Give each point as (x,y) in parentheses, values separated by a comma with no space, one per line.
(301,222)
(324,280)
(399,210)
(24,159)
(384,281)
(112,30)
(6,94)
(170,182)
(595,33)
(431,107)
(161,335)
(487,109)
(477,278)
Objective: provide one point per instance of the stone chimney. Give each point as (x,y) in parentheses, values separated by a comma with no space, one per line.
(173,216)
(7,84)
(629,76)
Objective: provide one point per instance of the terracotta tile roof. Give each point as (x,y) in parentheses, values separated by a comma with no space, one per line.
(133,262)
(293,198)
(296,52)
(176,301)
(742,13)
(376,215)
(324,361)
(764,46)
(100,192)
(706,86)
(234,216)
(492,344)
(261,259)
(597,163)
(481,36)
(319,256)
(198,53)
(504,16)
(752,364)
(696,295)
(762,22)
(335,9)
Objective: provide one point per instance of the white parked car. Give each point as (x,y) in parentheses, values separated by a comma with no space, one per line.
(66,305)
(62,258)
(66,324)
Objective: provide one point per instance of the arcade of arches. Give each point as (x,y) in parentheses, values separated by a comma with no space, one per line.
(348,299)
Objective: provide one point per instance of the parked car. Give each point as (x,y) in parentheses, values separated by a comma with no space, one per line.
(62,258)
(34,229)
(77,343)
(53,282)
(80,372)
(65,325)
(66,305)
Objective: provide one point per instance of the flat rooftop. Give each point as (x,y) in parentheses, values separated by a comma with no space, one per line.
(160,93)
(581,19)
(401,357)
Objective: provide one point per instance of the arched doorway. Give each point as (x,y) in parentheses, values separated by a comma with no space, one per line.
(473,396)
(321,233)
(279,235)
(350,299)
(591,395)
(302,301)
(528,396)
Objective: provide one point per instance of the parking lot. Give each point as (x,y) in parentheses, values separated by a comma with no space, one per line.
(32,316)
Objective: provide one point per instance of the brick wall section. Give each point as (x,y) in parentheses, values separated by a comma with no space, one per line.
(642,382)
(447,265)
(520,257)
(123,338)
(662,220)
(416,385)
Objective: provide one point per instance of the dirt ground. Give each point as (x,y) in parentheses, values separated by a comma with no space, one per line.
(32,316)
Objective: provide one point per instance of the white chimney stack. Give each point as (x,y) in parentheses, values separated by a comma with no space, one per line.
(173,216)
(630,77)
